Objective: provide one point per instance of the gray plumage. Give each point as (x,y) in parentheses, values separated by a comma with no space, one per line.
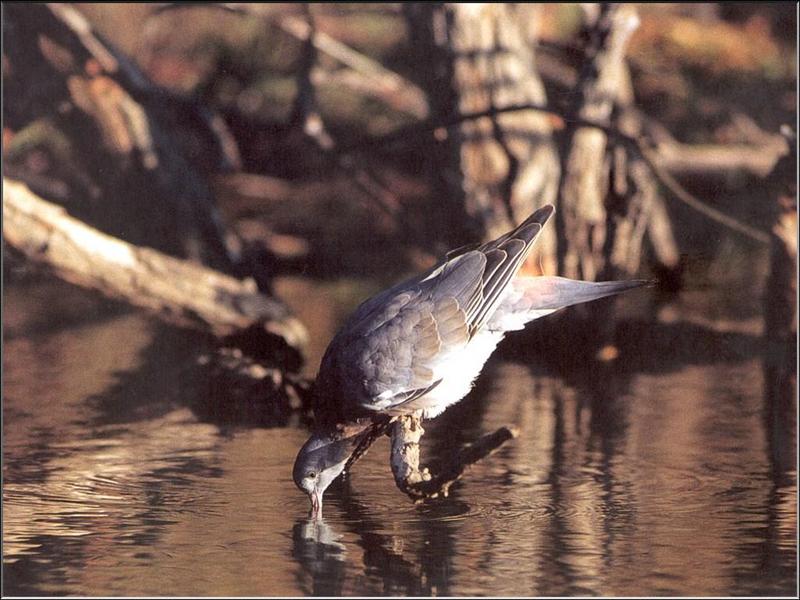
(391,350)
(418,346)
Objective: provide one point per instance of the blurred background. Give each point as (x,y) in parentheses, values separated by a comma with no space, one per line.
(196,195)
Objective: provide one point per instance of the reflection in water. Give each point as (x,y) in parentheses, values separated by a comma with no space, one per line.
(661,475)
(317,549)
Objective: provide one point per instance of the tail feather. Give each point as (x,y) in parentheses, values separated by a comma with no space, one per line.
(533,297)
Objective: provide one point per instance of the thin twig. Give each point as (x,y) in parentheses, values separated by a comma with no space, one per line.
(402,134)
(416,130)
(370,76)
(693,202)
(387,82)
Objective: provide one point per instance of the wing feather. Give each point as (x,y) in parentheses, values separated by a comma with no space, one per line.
(392,349)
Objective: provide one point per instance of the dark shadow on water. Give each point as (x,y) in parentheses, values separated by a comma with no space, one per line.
(588,404)
(164,379)
(30,288)
(644,347)
(29,575)
(170,374)
(775,548)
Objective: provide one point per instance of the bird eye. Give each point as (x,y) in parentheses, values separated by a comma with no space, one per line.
(311,474)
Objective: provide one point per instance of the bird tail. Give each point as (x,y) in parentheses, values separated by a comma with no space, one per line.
(533,297)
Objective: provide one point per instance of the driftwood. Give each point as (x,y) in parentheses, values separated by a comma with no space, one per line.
(418,482)
(178,291)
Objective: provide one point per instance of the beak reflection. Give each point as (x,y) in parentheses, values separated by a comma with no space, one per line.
(316,505)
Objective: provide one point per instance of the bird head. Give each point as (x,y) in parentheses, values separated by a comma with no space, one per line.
(321,460)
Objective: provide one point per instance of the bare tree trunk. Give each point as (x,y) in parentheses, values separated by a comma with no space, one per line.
(609,196)
(490,173)
(588,162)
(780,318)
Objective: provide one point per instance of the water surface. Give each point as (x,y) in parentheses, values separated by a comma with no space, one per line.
(658,475)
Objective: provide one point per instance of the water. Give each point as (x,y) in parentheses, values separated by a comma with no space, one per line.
(658,476)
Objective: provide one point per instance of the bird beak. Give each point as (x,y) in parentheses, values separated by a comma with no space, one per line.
(316,505)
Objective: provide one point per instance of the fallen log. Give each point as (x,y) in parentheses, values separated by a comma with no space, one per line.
(180,292)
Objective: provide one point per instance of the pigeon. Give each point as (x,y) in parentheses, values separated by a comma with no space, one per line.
(416,348)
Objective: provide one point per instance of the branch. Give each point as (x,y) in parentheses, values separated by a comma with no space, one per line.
(420,484)
(120,67)
(428,126)
(365,74)
(177,291)
(679,192)
(685,159)
(416,130)
(372,76)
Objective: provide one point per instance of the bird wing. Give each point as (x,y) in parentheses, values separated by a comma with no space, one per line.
(391,351)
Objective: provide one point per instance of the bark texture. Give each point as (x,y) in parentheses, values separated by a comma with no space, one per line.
(490,173)
(418,482)
(177,291)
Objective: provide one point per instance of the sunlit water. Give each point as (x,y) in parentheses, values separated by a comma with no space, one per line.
(653,477)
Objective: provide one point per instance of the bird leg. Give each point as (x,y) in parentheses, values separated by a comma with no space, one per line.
(420,484)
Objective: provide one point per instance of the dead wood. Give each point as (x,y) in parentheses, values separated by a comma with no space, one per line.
(363,73)
(131,158)
(360,72)
(714,160)
(419,483)
(780,315)
(585,180)
(178,291)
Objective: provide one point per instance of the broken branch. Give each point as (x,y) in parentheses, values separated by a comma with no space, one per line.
(420,484)
(368,73)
